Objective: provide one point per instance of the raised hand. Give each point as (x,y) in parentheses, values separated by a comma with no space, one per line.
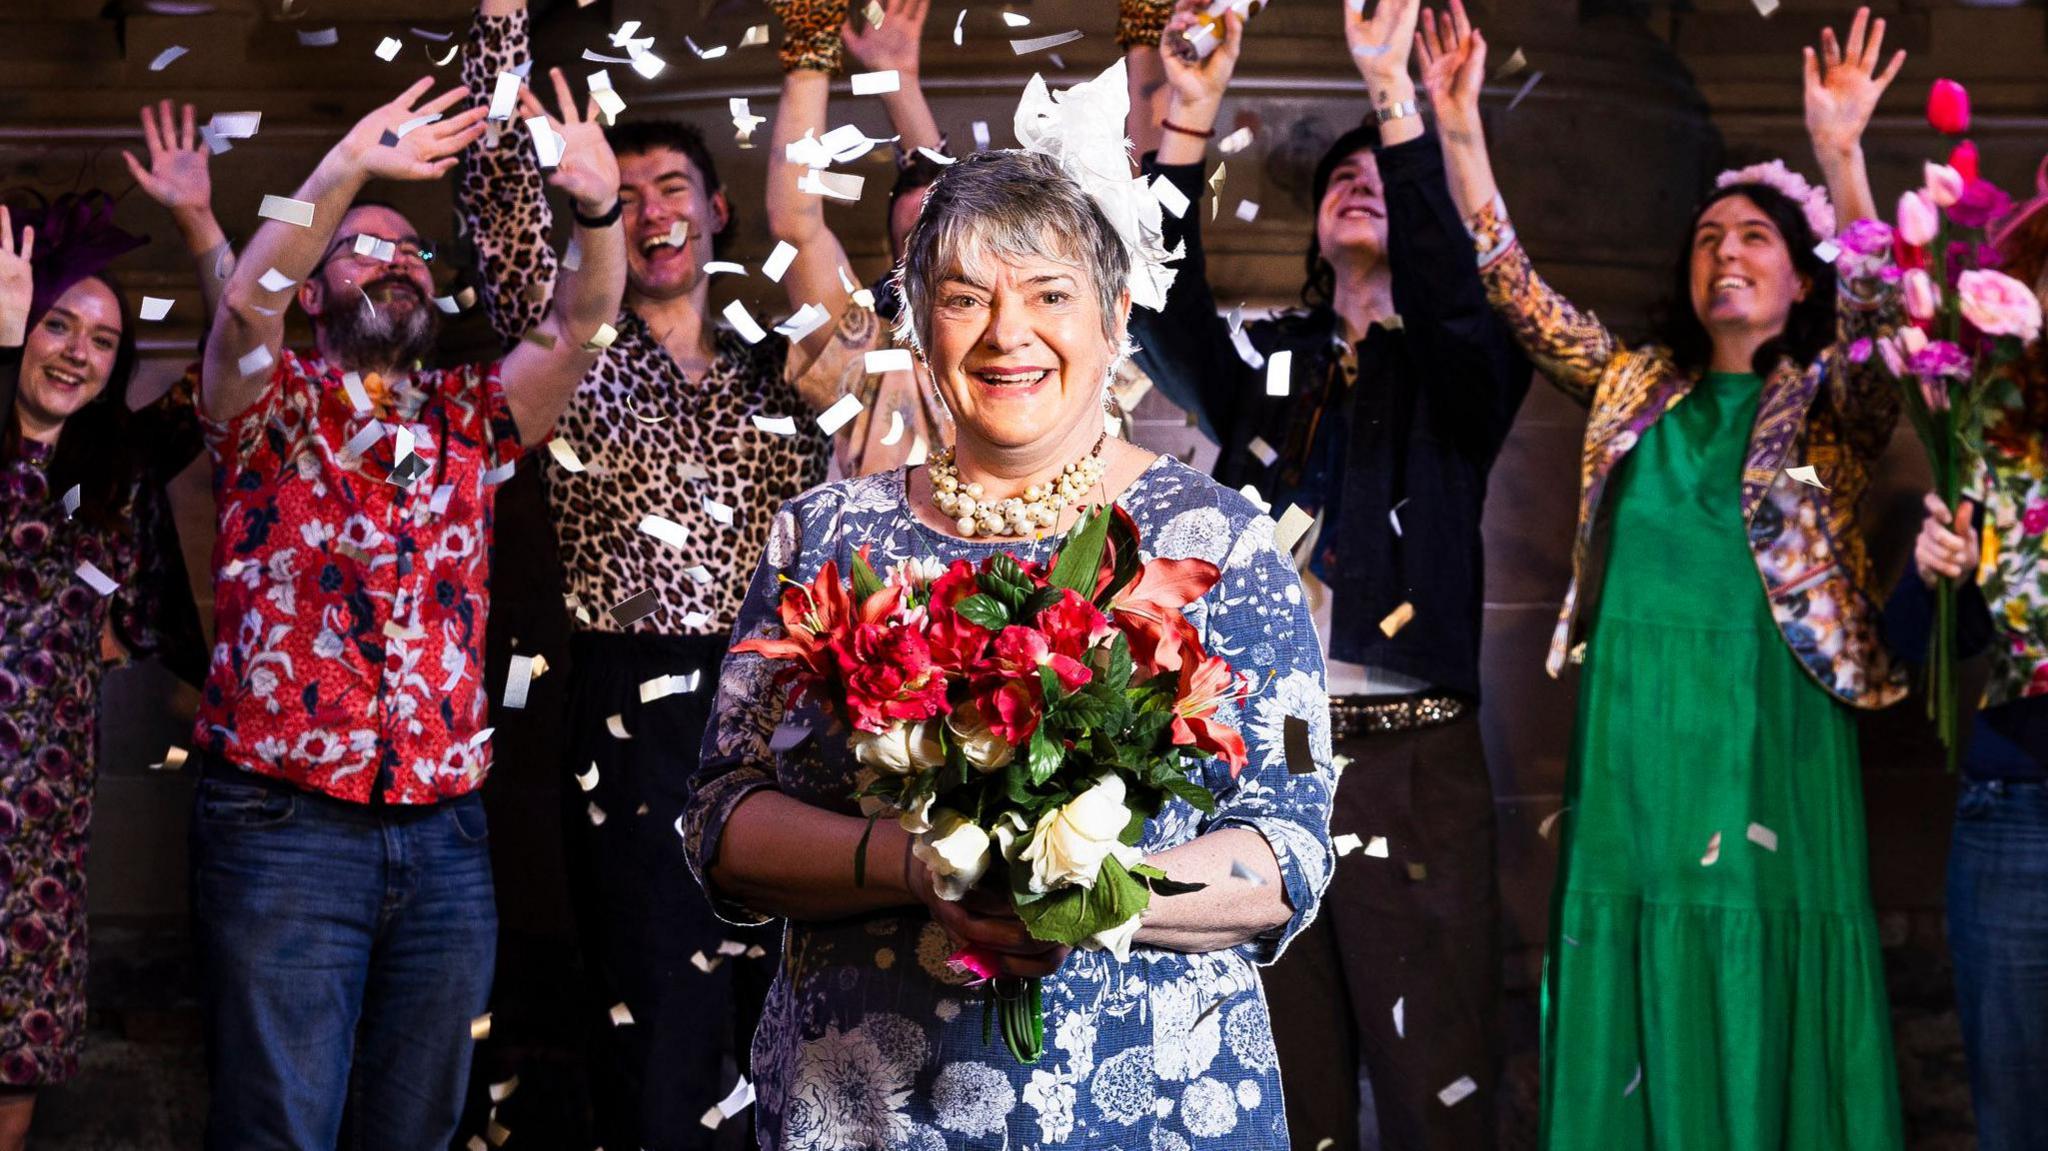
(1452,54)
(1380,44)
(892,44)
(1200,84)
(389,144)
(589,172)
(177,175)
(1843,86)
(17,282)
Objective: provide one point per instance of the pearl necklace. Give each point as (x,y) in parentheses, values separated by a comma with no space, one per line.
(1038,510)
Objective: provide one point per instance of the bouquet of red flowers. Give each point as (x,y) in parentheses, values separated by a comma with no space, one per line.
(1022,722)
(1966,323)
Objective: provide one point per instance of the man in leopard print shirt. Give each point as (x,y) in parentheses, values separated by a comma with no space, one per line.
(669,423)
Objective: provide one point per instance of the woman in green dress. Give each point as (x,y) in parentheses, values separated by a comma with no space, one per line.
(1714,978)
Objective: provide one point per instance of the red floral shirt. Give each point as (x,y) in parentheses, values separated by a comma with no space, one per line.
(350,606)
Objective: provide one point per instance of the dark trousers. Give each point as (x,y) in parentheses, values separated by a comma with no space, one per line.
(640,915)
(1998,932)
(1419,928)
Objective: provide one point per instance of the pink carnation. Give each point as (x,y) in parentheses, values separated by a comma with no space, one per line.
(1998,305)
(1940,358)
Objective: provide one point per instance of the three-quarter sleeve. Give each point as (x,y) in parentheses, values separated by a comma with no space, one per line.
(500,194)
(1571,347)
(736,759)
(1259,621)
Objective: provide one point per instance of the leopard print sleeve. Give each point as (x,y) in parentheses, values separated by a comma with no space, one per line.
(1571,347)
(499,195)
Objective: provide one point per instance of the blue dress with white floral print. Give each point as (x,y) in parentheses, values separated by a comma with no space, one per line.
(869,1040)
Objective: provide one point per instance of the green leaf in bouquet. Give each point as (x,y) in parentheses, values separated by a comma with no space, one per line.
(1094,708)
(1134,829)
(860,852)
(984,610)
(1118,677)
(1038,601)
(1147,725)
(1161,884)
(1181,787)
(865,581)
(1043,757)
(1005,581)
(1072,914)
(1081,554)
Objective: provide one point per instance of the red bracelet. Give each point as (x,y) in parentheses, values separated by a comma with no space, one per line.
(1173,127)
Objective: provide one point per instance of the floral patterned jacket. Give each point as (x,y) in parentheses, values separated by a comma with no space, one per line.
(2011,484)
(1833,415)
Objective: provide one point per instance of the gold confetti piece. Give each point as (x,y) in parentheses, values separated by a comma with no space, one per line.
(480,1027)
(1806,474)
(1170,198)
(1397,619)
(1377,847)
(616,724)
(705,964)
(755,36)
(1346,844)
(621,1015)
(1417,872)
(602,339)
(1515,62)
(875,83)
(1550,821)
(1292,524)
(503,1091)
(174,760)
(565,456)
(587,780)
(1713,854)
(476,1143)
(1216,189)
(1457,1091)
(403,634)
(1763,837)
(539,338)
(835,417)
(1401,1017)
(1326,1144)
(756,951)
(1280,373)
(496,1133)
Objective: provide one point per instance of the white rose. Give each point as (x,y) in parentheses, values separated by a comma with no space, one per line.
(918,817)
(980,746)
(1115,940)
(1069,843)
(902,749)
(955,851)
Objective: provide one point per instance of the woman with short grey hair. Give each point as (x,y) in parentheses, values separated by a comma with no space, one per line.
(1017,282)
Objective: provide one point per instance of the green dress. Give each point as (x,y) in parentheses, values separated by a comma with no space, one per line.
(1714,979)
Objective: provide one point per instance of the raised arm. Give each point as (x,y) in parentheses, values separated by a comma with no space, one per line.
(500,193)
(177,177)
(1570,347)
(1139,24)
(542,372)
(1843,87)
(251,317)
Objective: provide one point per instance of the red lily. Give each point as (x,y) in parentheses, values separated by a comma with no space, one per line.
(1206,682)
(1148,611)
(813,616)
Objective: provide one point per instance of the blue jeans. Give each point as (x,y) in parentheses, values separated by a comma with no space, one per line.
(344,951)
(1998,932)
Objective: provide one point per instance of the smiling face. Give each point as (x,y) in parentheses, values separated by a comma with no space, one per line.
(658,189)
(400,285)
(1018,351)
(1742,279)
(1351,221)
(68,358)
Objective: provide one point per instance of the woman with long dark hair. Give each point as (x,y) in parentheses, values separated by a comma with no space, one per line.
(1714,976)
(78,583)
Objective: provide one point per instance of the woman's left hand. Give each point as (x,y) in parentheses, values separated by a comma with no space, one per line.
(1843,87)
(17,281)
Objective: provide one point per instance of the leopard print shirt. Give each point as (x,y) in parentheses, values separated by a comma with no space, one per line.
(651,440)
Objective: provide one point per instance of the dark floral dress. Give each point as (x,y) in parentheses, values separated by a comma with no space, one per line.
(51,620)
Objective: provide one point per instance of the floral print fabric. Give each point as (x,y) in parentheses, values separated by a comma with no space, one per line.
(869,1039)
(2012,485)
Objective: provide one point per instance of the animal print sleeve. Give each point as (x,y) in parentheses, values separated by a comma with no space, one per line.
(499,194)
(1569,346)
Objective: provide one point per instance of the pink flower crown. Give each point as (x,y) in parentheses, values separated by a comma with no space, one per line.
(1812,201)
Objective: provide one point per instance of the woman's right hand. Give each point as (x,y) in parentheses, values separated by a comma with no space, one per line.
(1947,547)
(1452,54)
(1198,87)
(986,920)
(17,281)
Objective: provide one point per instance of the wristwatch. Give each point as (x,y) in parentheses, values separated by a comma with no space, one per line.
(1399,110)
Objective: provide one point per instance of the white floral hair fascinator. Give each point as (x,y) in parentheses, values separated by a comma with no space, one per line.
(1812,201)
(1082,129)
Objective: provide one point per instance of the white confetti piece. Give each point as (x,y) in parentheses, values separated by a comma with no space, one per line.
(895,433)
(621,1015)
(547,143)
(648,65)
(775,425)
(1262,451)
(476,1143)
(503,1091)
(71,501)
(1346,843)
(1633,1083)
(273,280)
(1401,1017)
(778,261)
(518,679)
(1251,492)
(1292,524)
(712,53)
(604,337)
(1457,1091)
(1805,474)
(1764,8)
(724,267)
(480,1027)
(95,578)
(588,779)
(743,323)
(616,724)
(565,456)
(1827,251)
(374,248)
(286,210)
(257,359)
(980,135)
(504,96)
(1549,821)
(1041,43)
(388,48)
(1713,854)
(597,817)
(1170,198)
(835,417)
(958,23)
(663,686)
(360,444)
(501,473)
(1763,837)
(319,37)
(234,125)
(1236,142)
(439,503)
(883,360)
(167,57)
(1280,373)
(1247,210)
(719,513)
(1394,516)
(1528,86)
(1252,357)
(737,1100)
(834,185)
(939,158)
(1377,847)
(875,83)
(154,308)
(666,530)
(698,573)
(756,35)
(706,964)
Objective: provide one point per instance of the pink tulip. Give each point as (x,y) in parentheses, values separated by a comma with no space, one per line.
(1918,222)
(1894,359)
(1922,297)
(1948,108)
(1944,184)
(1964,160)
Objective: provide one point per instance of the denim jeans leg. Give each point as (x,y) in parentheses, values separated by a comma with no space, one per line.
(1998,932)
(430,975)
(285,896)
